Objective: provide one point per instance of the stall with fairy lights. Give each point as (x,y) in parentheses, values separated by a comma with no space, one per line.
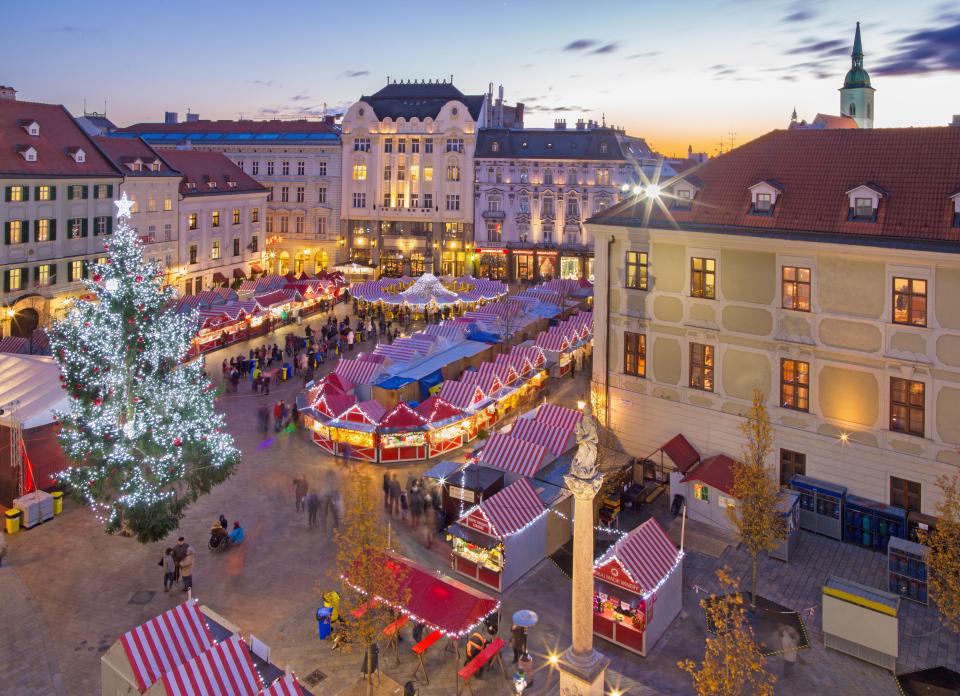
(355,430)
(445,423)
(427,293)
(402,435)
(638,587)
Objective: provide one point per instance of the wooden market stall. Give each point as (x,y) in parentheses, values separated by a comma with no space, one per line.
(446,425)
(638,588)
(402,435)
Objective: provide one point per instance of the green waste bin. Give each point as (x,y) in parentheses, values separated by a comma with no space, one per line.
(57,502)
(12,519)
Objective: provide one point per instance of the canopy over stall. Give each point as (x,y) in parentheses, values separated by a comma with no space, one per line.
(34,382)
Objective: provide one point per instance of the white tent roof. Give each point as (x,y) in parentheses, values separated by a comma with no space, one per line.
(34,381)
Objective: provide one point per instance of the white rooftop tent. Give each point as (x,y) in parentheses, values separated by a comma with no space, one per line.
(34,381)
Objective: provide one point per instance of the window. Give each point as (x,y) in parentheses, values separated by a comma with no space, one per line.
(167,230)
(703,277)
(414,199)
(388,145)
(634,354)
(637,270)
(493,204)
(322,168)
(428,146)
(905,494)
(45,230)
(215,218)
(603,177)
(236,216)
(269,223)
(428,200)
(76,228)
(45,193)
(76,191)
(523,204)
(453,202)
(75,270)
(361,145)
(548,177)
(494,231)
(298,224)
(192,221)
(359,200)
(151,203)
(682,200)
(386,199)
(270,194)
(547,208)
(45,275)
(322,227)
(401,172)
(906,406)
(255,167)
(17,193)
(284,194)
(254,243)
(16,232)
(791,463)
(255,215)
(910,301)
(796,288)
(524,176)
(269,168)
(301,168)
(322,194)
(701,367)
(284,224)
(359,172)
(795,384)
(573,208)
(763,203)
(401,145)
(428,173)
(863,208)
(454,144)
(701,492)
(215,249)
(572,177)
(102,225)
(301,194)
(602,204)
(103,191)
(193,253)
(415,145)
(285,168)
(236,246)
(401,200)
(387,173)
(495,146)
(523,234)
(453,172)
(135,208)
(167,203)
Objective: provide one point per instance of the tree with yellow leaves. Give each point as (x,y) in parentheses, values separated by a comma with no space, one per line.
(372,585)
(755,515)
(732,663)
(943,562)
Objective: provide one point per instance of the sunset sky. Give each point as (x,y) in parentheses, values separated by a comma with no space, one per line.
(675,73)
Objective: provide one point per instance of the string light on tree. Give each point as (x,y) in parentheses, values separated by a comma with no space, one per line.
(142,431)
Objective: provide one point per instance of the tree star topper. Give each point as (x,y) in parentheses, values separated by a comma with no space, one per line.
(124,206)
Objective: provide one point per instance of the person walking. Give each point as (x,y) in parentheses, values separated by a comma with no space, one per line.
(395,494)
(179,553)
(386,490)
(169,570)
(518,642)
(3,545)
(350,338)
(336,507)
(404,506)
(277,416)
(186,569)
(263,419)
(301,488)
(313,506)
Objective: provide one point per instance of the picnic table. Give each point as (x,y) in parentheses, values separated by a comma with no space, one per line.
(420,648)
(392,632)
(491,651)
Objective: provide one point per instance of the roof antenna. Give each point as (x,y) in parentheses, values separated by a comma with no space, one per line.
(388,79)
(451,78)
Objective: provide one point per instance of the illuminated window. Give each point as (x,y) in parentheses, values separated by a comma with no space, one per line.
(76,228)
(103,191)
(103,225)
(215,250)
(167,203)
(493,231)
(523,204)
(192,221)
(634,354)
(637,270)
(44,193)
(75,270)
(453,172)
(44,230)
(215,218)
(44,277)
(135,208)
(16,193)
(796,288)
(907,406)
(359,172)
(428,173)
(15,232)
(151,203)
(255,215)
(701,492)
(795,385)
(910,301)
(603,177)
(703,277)
(524,176)
(701,367)
(236,216)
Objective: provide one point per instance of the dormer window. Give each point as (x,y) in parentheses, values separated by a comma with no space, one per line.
(136,165)
(956,209)
(604,147)
(212,184)
(232,184)
(191,185)
(28,152)
(763,197)
(155,166)
(683,200)
(78,155)
(495,146)
(32,127)
(865,202)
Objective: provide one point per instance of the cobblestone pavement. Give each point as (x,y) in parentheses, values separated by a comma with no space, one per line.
(68,591)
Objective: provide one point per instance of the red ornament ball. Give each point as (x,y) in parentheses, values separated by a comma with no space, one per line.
(177,442)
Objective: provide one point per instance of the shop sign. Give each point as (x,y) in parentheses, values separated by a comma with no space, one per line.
(491,251)
(393,440)
(479,522)
(547,253)
(614,574)
(274,239)
(464,494)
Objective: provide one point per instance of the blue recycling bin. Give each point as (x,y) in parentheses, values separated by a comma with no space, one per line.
(323,622)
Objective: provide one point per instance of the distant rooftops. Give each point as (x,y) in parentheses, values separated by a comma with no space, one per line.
(235,131)
(207,173)
(595,143)
(134,157)
(420,99)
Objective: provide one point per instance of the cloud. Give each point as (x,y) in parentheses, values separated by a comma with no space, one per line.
(800,16)
(647,54)
(580,45)
(260,83)
(355,73)
(828,48)
(270,111)
(606,48)
(924,52)
(550,108)
(723,70)
(300,97)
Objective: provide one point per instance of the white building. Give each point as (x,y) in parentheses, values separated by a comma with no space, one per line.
(58,192)
(298,162)
(221,220)
(407,199)
(535,187)
(154,187)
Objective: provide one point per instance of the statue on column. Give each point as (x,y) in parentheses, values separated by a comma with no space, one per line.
(584,464)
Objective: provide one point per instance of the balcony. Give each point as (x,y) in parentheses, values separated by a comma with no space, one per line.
(493,215)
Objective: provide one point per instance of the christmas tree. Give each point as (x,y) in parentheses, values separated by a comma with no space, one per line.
(142,432)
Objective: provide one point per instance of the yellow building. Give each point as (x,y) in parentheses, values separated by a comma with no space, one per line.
(821,267)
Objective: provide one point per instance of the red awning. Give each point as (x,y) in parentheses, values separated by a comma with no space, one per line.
(441,603)
(435,410)
(218,277)
(716,471)
(255,268)
(402,416)
(239,273)
(681,452)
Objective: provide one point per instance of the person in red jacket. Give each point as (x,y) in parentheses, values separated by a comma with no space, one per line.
(277,416)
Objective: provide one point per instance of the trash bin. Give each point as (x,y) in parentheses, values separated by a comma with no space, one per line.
(57,502)
(287,372)
(323,622)
(12,520)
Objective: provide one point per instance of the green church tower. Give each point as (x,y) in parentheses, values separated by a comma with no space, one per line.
(856,95)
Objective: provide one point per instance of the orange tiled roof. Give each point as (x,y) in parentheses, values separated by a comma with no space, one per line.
(201,168)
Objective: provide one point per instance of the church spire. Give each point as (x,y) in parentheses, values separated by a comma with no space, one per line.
(857,55)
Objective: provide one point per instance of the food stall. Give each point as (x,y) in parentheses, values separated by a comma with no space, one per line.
(706,489)
(467,487)
(638,587)
(445,424)
(502,537)
(403,435)
(354,430)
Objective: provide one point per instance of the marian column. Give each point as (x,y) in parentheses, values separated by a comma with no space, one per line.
(581,667)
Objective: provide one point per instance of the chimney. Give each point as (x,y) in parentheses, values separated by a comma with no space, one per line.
(170,117)
(580,124)
(560,124)
(518,116)
(191,118)
(956,121)
(8,93)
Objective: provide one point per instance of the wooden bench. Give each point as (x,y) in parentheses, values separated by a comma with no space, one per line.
(362,609)
(420,648)
(492,651)
(392,632)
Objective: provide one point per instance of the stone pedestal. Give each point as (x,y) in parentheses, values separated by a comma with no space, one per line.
(582,675)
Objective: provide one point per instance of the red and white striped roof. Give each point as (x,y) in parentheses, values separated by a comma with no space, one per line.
(166,641)
(556,440)
(519,364)
(486,380)
(502,371)
(397,353)
(461,394)
(553,340)
(558,416)
(284,686)
(277,298)
(646,554)
(212,318)
(226,669)
(532,353)
(513,454)
(370,411)
(336,380)
(509,510)
(435,410)
(447,330)
(14,344)
(333,405)
(371,357)
(358,371)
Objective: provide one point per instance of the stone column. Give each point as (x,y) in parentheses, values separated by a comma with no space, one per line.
(581,667)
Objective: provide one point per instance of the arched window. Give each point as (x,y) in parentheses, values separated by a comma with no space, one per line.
(604,147)
(573,207)
(523,204)
(495,146)
(548,210)
(853,109)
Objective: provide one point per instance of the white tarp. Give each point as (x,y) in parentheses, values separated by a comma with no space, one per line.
(34,381)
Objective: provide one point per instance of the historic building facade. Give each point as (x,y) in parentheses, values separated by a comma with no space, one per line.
(58,191)
(806,265)
(299,164)
(221,220)
(407,197)
(535,187)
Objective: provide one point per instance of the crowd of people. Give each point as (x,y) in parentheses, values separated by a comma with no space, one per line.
(320,507)
(415,506)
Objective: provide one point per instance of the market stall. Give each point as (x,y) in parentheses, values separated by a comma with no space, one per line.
(355,430)
(513,455)
(467,487)
(446,425)
(638,587)
(502,537)
(707,490)
(403,435)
